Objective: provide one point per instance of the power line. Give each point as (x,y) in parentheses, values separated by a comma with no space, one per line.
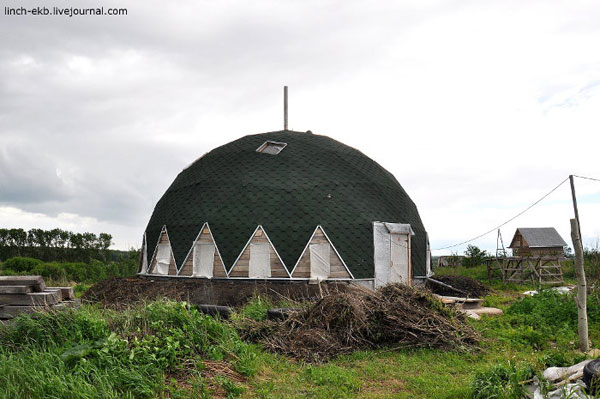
(587,178)
(509,220)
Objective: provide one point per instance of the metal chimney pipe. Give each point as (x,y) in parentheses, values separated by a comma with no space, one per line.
(285,108)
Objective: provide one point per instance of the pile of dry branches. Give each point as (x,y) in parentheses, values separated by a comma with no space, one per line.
(395,316)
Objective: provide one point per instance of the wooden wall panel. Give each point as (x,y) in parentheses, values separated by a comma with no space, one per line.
(218,268)
(337,269)
(164,239)
(240,269)
(188,266)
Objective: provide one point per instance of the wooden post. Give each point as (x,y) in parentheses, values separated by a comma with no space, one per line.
(572,181)
(539,273)
(285,108)
(581,300)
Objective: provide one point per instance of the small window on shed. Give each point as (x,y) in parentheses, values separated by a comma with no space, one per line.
(271,147)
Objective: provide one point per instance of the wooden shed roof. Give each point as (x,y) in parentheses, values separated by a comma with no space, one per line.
(539,237)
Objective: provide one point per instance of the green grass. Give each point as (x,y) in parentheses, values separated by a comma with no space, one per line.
(162,349)
(256,308)
(96,353)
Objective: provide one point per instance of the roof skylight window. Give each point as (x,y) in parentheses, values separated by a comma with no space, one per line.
(271,147)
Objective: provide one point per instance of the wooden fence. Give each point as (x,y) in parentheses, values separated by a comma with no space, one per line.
(534,270)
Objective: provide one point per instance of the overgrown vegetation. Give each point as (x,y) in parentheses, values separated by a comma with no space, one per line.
(501,381)
(543,321)
(161,348)
(169,350)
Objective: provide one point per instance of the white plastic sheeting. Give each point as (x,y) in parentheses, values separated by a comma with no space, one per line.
(567,391)
(163,258)
(560,290)
(320,266)
(144,257)
(260,260)
(391,256)
(381,255)
(204,259)
(428,270)
(561,383)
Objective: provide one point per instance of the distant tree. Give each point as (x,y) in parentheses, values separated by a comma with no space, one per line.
(54,244)
(18,239)
(568,252)
(453,259)
(474,256)
(4,238)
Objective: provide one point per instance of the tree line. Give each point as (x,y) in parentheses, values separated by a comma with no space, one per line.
(54,245)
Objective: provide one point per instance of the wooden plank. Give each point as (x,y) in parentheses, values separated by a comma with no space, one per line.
(36,282)
(15,289)
(343,274)
(163,238)
(66,292)
(32,299)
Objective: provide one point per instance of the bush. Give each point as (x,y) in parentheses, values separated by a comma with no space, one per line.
(50,270)
(21,264)
(474,256)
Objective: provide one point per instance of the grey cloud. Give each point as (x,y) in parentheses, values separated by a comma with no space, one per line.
(113,103)
(28,177)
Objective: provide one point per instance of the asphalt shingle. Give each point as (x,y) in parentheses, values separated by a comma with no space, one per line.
(314,180)
(542,237)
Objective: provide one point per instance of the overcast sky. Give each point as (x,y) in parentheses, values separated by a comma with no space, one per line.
(478,108)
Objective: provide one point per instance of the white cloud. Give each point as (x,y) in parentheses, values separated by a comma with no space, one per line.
(478,108)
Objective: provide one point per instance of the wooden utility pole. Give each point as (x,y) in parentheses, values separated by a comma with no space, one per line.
(572,181)
(581,300)
(285,108)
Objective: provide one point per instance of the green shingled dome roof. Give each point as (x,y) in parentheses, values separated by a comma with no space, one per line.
(314,181)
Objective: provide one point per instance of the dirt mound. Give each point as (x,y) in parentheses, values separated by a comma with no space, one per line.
(119,292)
(468,285)
(396,315)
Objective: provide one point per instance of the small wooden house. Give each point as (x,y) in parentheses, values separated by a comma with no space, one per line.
(537,241)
